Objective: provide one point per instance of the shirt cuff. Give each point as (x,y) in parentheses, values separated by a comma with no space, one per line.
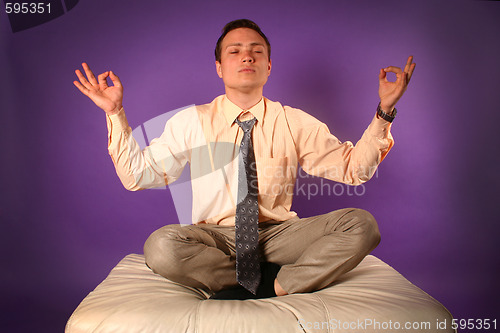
(117,124)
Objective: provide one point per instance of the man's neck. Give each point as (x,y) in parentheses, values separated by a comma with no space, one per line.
(244,100)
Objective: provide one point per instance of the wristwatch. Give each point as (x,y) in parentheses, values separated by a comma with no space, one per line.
(385,116)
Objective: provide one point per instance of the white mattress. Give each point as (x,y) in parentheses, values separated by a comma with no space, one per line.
(371,298)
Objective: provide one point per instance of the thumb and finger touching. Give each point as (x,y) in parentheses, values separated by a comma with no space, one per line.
(115,79)
(105,96)
(103,83)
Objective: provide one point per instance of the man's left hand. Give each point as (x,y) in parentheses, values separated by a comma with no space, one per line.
(391,92)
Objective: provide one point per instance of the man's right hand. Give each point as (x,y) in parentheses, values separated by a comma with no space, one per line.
(107,98)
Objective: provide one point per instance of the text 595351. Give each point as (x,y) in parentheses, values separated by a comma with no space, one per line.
(27,7)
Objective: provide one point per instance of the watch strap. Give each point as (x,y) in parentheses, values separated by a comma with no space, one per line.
(385,116)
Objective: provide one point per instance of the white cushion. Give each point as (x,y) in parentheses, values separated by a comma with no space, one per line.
(373,297)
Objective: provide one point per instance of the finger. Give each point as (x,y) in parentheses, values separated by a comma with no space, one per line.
(382,75)
(408,64)
(80,87)
(393,69)
(90,75)
(401,80)
(404,80)
(115,79)
(410,72)
(82,79)
(103,83)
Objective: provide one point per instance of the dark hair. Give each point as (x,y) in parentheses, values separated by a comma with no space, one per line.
(241,23)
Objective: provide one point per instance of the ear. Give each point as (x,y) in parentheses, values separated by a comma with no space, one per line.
(269,68)
(218,68)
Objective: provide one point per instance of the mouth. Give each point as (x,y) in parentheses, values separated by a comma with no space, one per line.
(247,70)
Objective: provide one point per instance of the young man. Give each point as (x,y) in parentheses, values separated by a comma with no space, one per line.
(243,151)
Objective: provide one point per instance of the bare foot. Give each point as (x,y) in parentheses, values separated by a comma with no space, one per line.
(278,290)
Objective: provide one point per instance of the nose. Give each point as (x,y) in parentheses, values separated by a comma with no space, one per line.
(247,57)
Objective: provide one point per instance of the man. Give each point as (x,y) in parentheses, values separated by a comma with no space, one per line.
(243,151)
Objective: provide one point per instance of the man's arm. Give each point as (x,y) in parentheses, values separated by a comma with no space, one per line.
(321,154)
(158,164)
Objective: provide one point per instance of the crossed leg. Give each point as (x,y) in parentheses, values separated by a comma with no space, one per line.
(313,252)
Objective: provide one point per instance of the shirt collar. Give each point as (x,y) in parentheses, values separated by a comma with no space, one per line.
(231,111)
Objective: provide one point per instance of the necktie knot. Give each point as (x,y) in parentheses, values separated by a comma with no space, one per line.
(246,125)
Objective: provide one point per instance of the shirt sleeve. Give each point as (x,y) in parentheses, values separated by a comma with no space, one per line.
(157,165)
(321,154)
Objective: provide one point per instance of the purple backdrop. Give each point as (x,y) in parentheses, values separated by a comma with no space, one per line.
(66,220)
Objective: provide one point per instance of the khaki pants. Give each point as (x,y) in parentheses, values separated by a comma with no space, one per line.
(313,252)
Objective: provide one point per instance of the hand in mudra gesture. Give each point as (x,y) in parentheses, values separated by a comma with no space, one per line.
(108,98)
(391,92)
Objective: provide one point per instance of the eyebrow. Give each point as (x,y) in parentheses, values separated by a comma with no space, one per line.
(240,44)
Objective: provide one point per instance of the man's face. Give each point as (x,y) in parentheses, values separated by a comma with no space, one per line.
(244,64)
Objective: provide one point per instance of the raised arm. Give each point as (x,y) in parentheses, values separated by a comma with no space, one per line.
(108,98)
(158,164)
